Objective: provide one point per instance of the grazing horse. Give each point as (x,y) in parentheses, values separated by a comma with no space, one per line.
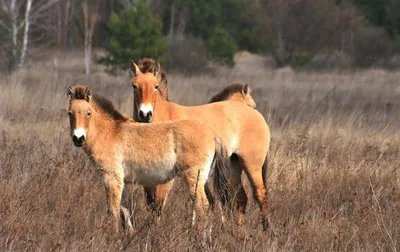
(242,130)
(125,153)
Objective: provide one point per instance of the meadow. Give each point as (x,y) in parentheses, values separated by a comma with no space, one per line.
(333,178)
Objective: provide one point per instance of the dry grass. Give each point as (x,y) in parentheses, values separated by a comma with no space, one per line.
(334,182)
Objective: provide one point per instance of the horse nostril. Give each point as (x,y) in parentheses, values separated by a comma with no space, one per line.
(141,115)
(149,116)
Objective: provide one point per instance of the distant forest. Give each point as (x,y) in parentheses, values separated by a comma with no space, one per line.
(300,33)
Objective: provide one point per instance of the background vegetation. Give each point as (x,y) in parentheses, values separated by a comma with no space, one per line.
(300,33)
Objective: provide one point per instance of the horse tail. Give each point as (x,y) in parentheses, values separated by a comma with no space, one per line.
(264,171)
(221,167)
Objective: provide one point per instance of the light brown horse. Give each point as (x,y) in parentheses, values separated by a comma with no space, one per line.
(243,131)
(157,196)
(235,92)
(124,150)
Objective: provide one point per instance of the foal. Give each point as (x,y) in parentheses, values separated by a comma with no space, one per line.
(242,130)
(125,151)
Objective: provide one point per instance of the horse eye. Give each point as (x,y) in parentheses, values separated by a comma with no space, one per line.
(134,87)
(156,87)
(69,112)
(89,113)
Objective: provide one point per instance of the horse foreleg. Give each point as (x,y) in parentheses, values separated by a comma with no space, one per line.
(127,213)
(114,186)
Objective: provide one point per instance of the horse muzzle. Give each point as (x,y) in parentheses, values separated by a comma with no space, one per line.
(78,141)
(145,117)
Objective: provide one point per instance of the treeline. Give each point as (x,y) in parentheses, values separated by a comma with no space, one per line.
(186,33)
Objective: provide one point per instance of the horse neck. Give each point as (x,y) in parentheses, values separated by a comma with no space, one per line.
(235,97)
(162,108)
(101,131)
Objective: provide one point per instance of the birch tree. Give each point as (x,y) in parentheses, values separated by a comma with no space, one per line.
(90,19)
(26,32)
(17,18)
(9,23)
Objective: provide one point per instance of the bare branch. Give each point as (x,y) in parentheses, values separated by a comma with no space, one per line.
(7,27)
(43,7)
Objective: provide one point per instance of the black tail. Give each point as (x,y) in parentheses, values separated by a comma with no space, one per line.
(264,171)
(221,167)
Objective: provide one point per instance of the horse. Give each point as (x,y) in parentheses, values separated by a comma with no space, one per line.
(124,151)
(156,197)
(235,92)
(243,130)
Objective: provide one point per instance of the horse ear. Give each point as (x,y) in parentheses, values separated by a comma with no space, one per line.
(156,68)
(88,94)
(135,70)
(246,90)
(70,92)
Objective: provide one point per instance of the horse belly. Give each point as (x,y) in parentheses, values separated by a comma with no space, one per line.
(154,172)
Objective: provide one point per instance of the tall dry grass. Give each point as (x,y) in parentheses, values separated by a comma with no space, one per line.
(334,182)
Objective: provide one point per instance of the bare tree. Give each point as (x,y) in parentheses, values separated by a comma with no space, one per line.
(9,23)
(90,19)
(63,17)
(301,26)
(36,14)
(26,32)
(172,22)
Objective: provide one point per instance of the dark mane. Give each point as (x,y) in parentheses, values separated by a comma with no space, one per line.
(146,66)
(227,91)
(80,93)
(108,107)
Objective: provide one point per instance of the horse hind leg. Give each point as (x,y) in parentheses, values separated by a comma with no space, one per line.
(254,172)
(234,195)
(195,178)
(210,196)
(149,193)
(160,197)
(156,197)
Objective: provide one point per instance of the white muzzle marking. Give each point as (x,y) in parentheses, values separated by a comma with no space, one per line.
(79,132)
(145,108)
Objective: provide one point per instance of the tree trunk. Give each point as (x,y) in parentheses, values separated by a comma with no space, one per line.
(14,20)
(90,24)
(282,57)
(88,52)
(62,23)
(26,33)
(172,22)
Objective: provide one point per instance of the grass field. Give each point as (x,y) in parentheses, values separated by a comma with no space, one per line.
(334,177)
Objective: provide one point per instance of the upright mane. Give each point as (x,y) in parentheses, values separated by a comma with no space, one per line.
(146,66)
(80,93)
(227,91)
